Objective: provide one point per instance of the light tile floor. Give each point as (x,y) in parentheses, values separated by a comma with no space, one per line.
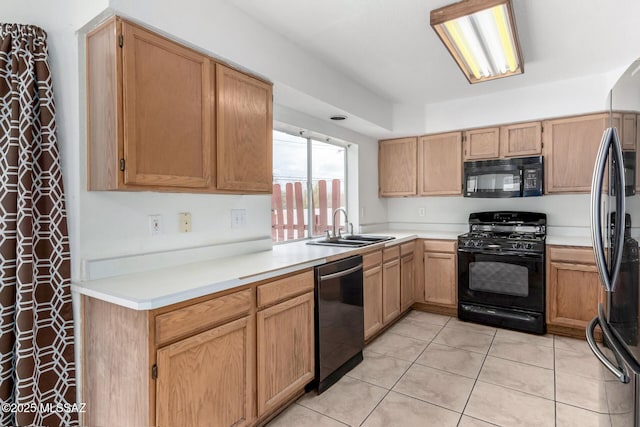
(432,370)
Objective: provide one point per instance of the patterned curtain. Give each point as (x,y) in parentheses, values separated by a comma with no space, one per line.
(37,370)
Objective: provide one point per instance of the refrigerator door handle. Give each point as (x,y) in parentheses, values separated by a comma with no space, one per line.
(619,373)
(620,207)
(596,213)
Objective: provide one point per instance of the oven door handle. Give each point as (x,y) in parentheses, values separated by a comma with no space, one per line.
(497,253)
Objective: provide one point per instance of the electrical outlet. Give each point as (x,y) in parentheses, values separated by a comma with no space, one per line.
(155,225)
(422,212)
(238,218)
(184,222)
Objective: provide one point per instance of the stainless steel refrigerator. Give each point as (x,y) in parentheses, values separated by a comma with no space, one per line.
(615,221)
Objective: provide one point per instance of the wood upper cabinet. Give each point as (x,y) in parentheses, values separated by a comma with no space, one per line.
(440,164)
(244,132)
(285,336)
(522,139)
(149,110)
(440,273)
(407,276)
(390,284)
(397,167)
(573,288)
(161,116)
(629,132)
(570,149)
(207,379)
(372,293)
(481,144)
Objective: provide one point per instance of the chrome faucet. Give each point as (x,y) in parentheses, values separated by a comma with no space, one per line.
(346,221)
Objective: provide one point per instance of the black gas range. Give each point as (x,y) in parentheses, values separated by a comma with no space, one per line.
(501,278)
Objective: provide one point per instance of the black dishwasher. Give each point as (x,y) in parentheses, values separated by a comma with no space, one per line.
(339,319)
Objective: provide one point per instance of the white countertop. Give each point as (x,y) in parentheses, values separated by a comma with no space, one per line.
(165,286)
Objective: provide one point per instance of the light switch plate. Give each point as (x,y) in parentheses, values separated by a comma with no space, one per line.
(155,225)
(238,218)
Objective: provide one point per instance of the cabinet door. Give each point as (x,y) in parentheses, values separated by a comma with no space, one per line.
(407,278)
(480,144)
(440,164)
(285,350)
(390,290)
(397,167)
(244,132)
(206,380)
(570,149)
(574,292)
(167,111)
(628,136)
(440,272)
(372,300)
(523,139)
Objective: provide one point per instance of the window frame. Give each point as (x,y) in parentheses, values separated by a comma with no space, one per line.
(310,137)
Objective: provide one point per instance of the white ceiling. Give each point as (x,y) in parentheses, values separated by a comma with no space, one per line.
(388,46)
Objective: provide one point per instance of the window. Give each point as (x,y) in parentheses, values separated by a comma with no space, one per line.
(309,183)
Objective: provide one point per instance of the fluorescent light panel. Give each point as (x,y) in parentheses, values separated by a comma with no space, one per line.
(481,37)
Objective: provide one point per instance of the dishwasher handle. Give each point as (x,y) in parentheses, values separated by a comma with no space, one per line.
(340,273)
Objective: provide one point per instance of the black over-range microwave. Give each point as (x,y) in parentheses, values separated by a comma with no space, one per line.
(517,177)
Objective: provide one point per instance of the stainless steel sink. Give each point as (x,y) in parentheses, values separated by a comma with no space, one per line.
(351,241)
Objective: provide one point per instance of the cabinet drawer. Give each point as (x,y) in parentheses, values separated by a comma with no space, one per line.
(198,317)
(287,287)
(371,260)
(391,253)
(448,246)
(407,248)
(582,255)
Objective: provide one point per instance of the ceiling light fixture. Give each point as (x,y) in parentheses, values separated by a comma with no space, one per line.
(481,36)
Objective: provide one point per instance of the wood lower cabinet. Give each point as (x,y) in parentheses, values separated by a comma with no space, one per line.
(372,293)
(285,337)
(521,139)
(481,144)
(227,360)
(440,272)
(205,380)
(440,164)
(573,289)
(407,276)
(244,132)
(390,284)
(397,167)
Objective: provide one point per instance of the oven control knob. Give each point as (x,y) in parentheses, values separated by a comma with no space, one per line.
(515,245)
(528,245)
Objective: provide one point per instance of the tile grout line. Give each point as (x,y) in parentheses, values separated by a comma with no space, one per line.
(399,378)
(555,395)
(318,412)
(476,380)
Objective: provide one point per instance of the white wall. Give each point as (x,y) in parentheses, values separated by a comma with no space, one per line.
(110,224)
(562,210)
